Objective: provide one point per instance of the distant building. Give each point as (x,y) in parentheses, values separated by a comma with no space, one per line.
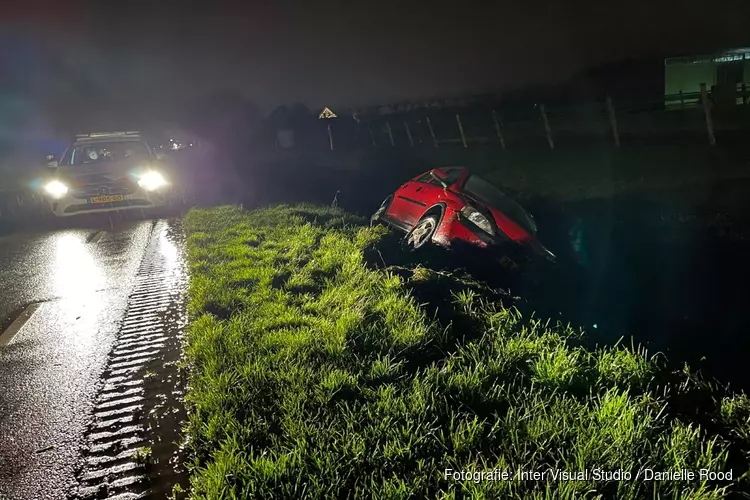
(726,75)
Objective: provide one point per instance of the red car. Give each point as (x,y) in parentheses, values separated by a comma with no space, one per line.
(451,205)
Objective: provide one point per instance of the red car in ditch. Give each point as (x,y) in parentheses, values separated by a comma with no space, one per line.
(451,207)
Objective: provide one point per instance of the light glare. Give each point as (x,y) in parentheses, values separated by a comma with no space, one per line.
(56,189)
(151,181)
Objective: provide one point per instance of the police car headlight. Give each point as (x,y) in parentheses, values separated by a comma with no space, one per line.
(56,189)
(151,181)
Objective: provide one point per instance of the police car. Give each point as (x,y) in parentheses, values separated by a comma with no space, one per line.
(107,171)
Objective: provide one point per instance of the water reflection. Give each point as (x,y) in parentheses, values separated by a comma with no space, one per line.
(76,272)
(77,276)
(169,252)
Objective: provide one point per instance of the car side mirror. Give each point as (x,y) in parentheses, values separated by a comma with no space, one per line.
(441,181)
(53,164)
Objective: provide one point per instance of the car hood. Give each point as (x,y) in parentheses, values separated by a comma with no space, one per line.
(504,223)
(512,229)
(102,171)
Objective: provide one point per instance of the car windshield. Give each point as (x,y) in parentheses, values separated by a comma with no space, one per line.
(104,152)
(450,175)
(481,189)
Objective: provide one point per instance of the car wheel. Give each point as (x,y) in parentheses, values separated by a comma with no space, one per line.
(422,232)
(379,213)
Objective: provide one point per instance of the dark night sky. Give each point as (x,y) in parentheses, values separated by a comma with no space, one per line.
(133,58)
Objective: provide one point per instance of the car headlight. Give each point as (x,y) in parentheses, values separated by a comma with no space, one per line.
(56,189)
(478,219)
(151,181)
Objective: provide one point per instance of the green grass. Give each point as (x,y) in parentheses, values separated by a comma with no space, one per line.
(315,374)
(143,455)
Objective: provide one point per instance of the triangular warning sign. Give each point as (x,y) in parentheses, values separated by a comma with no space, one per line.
(326,113)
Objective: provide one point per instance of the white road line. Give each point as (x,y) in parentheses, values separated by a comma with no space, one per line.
(7,336)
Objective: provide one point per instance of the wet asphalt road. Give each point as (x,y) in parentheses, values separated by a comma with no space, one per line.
(80,279)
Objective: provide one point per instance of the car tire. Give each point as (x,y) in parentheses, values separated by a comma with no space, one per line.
(383,209)
(422,232)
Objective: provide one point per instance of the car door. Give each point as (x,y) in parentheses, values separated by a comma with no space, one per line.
(409,201)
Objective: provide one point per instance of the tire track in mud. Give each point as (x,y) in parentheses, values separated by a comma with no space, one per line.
(139,403)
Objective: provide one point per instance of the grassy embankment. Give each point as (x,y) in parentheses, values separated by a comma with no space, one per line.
(316,374)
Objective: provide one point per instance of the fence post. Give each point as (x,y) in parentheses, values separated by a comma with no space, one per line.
(432,132)
(613,121)
(545,121)
(390,133)
(330,137)
(461,129)
(408,133)
(498,128)
(372,136)
(682,101)
(707,111)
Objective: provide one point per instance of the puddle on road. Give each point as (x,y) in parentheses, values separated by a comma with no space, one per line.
(131,446)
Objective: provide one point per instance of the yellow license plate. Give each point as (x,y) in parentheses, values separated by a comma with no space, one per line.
(107,199)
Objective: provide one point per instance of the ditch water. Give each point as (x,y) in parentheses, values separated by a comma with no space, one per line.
(673,278)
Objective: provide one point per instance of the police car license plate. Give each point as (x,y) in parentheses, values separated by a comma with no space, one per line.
(106,199)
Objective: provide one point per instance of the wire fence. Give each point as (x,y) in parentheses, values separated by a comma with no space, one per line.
(710,113)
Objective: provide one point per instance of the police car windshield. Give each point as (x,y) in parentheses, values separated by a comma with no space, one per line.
(100,152)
